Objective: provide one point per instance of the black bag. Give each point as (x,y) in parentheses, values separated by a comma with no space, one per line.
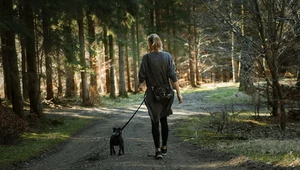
(162,92)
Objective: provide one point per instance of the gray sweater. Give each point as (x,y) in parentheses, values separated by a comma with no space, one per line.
(156,69)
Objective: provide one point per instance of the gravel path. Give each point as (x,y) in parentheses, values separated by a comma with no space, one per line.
(90,148)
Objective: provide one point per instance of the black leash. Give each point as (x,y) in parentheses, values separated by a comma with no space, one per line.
(134,114)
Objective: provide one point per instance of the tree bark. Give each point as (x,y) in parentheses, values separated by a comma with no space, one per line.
(84,86)
(122,87)
(246,84)
(271,50)
(10,56)
(233,60)
(92,54)
(112,68)
(106,58)
(59,74)
(191,56)
(128,72)
(70,60)
(33,81)
(23,54)
(195,48)
(134,57)
(47,49)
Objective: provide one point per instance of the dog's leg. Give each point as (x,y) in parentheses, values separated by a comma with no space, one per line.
(112,150)
(121,149)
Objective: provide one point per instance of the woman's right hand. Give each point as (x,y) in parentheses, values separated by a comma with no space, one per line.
(180,99)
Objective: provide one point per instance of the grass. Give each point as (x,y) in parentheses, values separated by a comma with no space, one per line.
(33,144)
(201,130)
(46,136)
(122,101)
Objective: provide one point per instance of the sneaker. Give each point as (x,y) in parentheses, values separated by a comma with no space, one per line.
(163,151)
(158,155)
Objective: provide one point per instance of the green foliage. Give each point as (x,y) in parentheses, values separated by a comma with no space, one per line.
(11,126)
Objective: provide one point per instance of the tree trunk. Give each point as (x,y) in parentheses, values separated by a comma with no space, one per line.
(23,54)
(6,71)
(137,43)
(47,49)
(70,60)
(128,72)
(59,75)
(84,85)
(134,57)
(195,48)
(10,56)
(92,54)
(122,89)
(33,81)
(112,68)
(246,84)
(107,62)
(271,49)
(191,57)
(233,60)
(24,69)
(70,81)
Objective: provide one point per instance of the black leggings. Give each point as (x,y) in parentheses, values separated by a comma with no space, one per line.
(164,132)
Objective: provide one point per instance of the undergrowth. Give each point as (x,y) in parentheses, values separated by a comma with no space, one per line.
(242,133)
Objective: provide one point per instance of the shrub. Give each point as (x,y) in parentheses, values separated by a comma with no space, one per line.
(11,126)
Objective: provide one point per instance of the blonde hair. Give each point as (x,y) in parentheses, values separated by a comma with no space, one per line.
(154,43)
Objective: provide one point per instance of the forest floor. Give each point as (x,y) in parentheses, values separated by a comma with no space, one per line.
(89,149)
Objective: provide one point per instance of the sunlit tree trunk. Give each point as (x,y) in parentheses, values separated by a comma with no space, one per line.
(233,60)
(112,68)
(106,58)
(134,57)
(191,55)
(128,70)
(198,76)
(84,86)
(122,86)
(92,54)
(137,42)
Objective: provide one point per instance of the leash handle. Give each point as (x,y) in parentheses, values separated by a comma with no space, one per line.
(134,114)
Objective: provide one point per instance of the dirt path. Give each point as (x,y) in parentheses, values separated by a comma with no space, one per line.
(90,148)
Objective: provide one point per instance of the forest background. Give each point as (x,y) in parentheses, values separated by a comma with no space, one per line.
(54,49)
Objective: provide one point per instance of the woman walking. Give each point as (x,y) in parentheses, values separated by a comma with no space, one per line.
(158,71)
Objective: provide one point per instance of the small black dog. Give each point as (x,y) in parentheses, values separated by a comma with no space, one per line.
(116,139)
